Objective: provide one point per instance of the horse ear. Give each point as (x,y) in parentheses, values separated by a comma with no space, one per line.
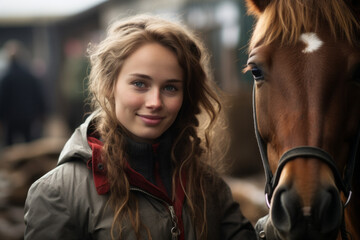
(256,7)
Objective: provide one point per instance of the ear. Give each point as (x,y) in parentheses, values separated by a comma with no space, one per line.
(256,7)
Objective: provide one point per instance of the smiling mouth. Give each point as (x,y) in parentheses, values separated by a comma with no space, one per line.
(150,119)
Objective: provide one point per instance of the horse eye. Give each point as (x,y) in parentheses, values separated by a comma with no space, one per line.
(257,74)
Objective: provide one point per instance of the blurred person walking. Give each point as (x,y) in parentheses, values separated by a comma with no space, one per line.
(22,103)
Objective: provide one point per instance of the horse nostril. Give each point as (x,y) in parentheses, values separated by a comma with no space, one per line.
(328,209)
(284,209)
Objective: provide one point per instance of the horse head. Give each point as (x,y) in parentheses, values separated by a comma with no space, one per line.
(305,59)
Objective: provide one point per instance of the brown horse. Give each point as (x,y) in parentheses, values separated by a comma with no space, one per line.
(305,59)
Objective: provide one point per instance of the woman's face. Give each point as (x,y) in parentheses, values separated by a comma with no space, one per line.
(149,91)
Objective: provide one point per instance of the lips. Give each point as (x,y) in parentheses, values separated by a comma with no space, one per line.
(151,119)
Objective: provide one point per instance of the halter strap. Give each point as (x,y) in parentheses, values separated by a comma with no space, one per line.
(309,152)
(343,184)
(262,149)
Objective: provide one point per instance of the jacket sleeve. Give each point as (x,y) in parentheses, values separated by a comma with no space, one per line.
(234,226)
(47,215)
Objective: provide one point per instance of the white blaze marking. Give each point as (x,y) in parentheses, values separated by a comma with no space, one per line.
(311,41)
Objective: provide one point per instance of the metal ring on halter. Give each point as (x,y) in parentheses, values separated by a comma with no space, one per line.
(268,202)
(348,199)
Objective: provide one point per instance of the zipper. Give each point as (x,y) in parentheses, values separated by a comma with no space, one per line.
(175,231)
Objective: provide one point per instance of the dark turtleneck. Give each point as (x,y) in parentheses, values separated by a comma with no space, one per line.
(144,157)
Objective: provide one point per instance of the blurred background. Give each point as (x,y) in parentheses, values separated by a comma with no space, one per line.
(43,51)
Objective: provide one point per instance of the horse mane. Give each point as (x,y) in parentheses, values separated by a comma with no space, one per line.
(287,20)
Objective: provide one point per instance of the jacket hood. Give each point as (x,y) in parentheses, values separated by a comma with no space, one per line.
(77,146)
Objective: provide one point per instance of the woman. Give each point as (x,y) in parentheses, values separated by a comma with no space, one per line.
(137,168)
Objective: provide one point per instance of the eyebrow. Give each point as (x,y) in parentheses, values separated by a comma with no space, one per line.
(147,77)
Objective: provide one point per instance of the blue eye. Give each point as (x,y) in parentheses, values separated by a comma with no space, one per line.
(257,73)
(170,88)
(139,84)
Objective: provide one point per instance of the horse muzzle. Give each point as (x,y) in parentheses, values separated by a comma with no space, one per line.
(290,220)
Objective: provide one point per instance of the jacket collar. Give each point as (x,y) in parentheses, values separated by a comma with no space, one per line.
(135,178)
(77,146)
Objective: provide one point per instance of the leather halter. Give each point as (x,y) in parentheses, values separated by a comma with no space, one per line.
(343,184)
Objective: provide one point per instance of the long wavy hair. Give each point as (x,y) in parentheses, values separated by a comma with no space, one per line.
(190,148)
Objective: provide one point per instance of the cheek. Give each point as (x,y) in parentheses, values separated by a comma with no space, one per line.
(175,105)
(127,100)
(126,104)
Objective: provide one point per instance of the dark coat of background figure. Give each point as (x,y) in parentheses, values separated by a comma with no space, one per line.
(22,103)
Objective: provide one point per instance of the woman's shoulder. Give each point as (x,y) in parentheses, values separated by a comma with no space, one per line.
(69,185)
(64,199)
(64,181)
(65,172)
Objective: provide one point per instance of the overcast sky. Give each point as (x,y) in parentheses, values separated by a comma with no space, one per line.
(44,8)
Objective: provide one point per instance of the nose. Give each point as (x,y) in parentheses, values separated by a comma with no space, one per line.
(320,220)
(153,99)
